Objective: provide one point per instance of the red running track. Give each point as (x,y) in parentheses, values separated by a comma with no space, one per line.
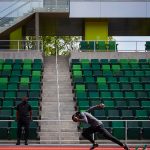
(59,148)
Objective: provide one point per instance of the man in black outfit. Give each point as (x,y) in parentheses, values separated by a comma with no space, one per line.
(23,116)
(95,126)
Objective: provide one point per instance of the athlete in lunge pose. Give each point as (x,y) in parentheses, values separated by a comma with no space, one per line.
(95,126)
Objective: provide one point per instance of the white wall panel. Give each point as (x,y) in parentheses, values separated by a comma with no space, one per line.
(123,9)
(85,9)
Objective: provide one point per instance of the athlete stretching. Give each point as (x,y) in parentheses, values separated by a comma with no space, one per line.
(95,126)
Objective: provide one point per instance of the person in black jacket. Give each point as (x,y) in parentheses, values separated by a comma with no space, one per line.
(23,116)
(95,126)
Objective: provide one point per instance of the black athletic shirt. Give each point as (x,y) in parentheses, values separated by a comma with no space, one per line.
(23,110)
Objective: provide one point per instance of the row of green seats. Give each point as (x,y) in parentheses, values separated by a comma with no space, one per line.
(115,104)
(98,45)
(117,95)
(12,104)
(108,80)
(21,68)
(19,94)
(6,80)
(24,73)
(110,67)
(20,86)
(6,114)
(135,129)
(110,61)
(90,73)
(8,130)
(20,61)
(112,86)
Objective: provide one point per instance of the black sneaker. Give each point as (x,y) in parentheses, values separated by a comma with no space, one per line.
(25,143)
(18,143)
(94,146)
(126,147)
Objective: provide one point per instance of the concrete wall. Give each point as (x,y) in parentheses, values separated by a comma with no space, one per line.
(109,55)
(110,8)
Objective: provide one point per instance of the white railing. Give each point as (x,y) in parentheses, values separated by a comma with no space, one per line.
(126,140)
(18,45)
(109,46)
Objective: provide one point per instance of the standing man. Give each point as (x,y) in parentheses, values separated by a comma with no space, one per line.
(23,116)
(95,126)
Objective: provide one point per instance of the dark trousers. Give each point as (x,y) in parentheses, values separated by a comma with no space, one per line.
(87,133)
(23,123)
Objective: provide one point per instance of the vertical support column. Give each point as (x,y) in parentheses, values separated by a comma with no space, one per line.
(37,31)
(96,29)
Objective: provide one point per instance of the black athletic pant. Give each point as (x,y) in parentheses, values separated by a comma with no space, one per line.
(87,133)
(23,123)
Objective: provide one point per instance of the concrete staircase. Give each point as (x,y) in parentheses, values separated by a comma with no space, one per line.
(57,104)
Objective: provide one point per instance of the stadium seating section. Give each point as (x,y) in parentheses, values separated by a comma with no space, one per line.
(98,45)
(123,85)
(19,78)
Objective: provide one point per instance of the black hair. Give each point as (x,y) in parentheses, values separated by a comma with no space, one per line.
(77,114)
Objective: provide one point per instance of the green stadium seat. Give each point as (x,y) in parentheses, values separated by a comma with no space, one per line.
(77,73)
(133,61)
(104,61)
(101,80)
(17,67)
(9,61)
(8,105)
(141,114)
(143,61)
(127,114)
(100,45)
(83,105)
(109,104)
(138,87)
(33,130)
(15,73)
(34,94)
(126,86)
(129,73)
(130,95)
(7,67)
(114,87)
(11,94)
(77,79)
(95,67)
(147,46)
(147,87)
(89,80)
(4,127)
(91,86)
(24,80)
(145,79)
(114,114)
(123,61)
(94,95)
(105,95)
(139,73)
(100,114)
(112,45)
(27,61)
(84,45)
(134,105)
(36,73)
(145,67)
(125,67)
(134,79)
(24,86)
(121,104)
(106,67)
(84,61)
(37,67)
(142,95)
(91,45)
(26,73)
(13,130)
(97,73)
(113,61)
(37,61)
(147,73)
(107,73)
(103,87)
(118,129)
(145,130)
(5,114)
(81,95)
(34,105)
(76,67)
(115,67)
(87,73)
(3,80)
(14,79)
(80,87)
(117,95)
(123,80)
(133,130)
(95,61)
(145,105)
(75,61)
(112,80)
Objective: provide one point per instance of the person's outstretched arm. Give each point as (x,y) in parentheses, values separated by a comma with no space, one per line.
(100,106)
